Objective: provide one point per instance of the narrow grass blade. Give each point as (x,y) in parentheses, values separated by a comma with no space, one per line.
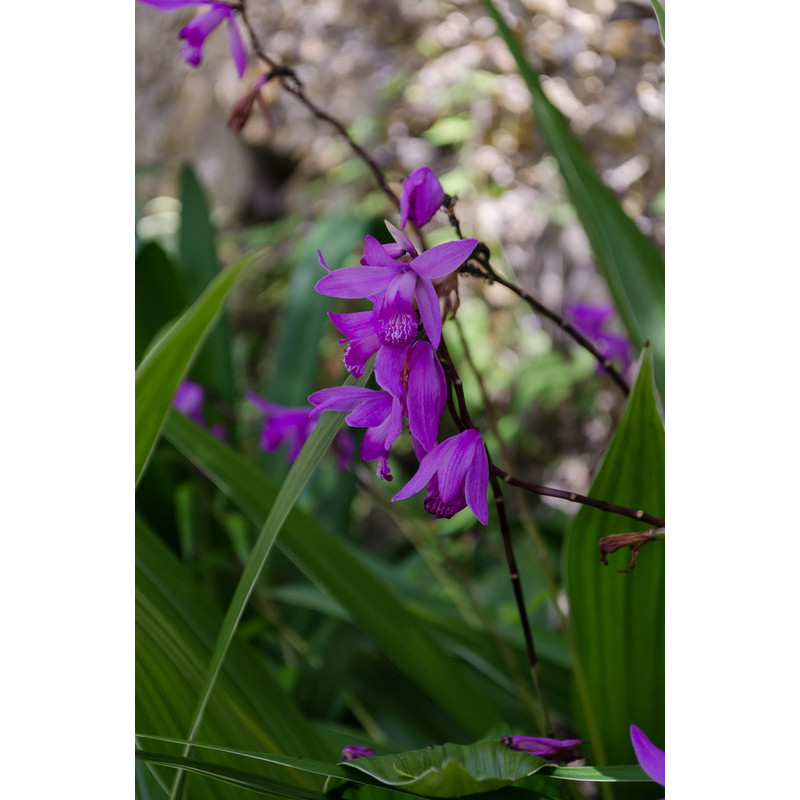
(658,7)
(168,361)
(331,565)
(628,260)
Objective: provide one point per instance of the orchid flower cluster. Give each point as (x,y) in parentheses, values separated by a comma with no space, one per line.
(402,331)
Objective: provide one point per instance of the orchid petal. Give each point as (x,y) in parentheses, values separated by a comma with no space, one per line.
(403,242)
(356,325)
(389,365)
(236,46)
(424,473)
(354,282)
(420,197)
(426,395)
(339,398)
(650,758)
(375,255)
(443,259)
(371,412)
(171,5)
(476,482)
(429,311)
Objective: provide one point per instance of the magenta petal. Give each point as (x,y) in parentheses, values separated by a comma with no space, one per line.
(455,455)
(476,483)
(429,311)
(171,5)
(420,197)
(651,758)
(339,398)
(371,412)
(357,325)
(236,46)
(375,254)
(389,365)
(443,259)
(403,242)
(354,282)
(426,395)
(424,473)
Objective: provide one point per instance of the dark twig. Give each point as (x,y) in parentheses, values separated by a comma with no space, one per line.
(573,497)
(485,270)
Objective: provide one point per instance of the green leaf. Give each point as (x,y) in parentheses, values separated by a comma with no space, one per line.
(169,359)
(332,567)
(197,258)
(237,777)
(176,625)
(618,619)
(658,7)
(628,260)
(451,770)
(160,295)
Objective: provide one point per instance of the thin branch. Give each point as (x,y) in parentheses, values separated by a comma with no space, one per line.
(573,497)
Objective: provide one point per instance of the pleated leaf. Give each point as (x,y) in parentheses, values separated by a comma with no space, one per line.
(618,619)
(168,361)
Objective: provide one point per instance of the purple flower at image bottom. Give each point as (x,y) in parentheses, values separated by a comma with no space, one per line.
(456,473)
(421,197)
(353,751)
(651,758)
(194,34)
(560,750)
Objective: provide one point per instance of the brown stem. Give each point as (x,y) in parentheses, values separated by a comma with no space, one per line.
(573,497)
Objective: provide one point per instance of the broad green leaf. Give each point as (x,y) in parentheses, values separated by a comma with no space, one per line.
(176,626)
(197,258)
(168,361)
(451,770)
(328,563)
(658,7)
(628,260)
(618,619)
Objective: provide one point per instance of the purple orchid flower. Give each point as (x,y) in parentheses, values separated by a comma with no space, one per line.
(399,284)
(651,758)
(421,197)
(294,425)
(354,751)
(194,34)
(592,321)
(361,337)
(560,750)
(456,473)
(377,411)
(283,424)
(189,401)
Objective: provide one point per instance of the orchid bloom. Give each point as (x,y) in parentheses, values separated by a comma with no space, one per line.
(377,411)
(456,473)
(421,197)
(560,750)
(354,751)
(592,321)
(189,401)
(651,758)
(194,34)
(399,284)
(426,394)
